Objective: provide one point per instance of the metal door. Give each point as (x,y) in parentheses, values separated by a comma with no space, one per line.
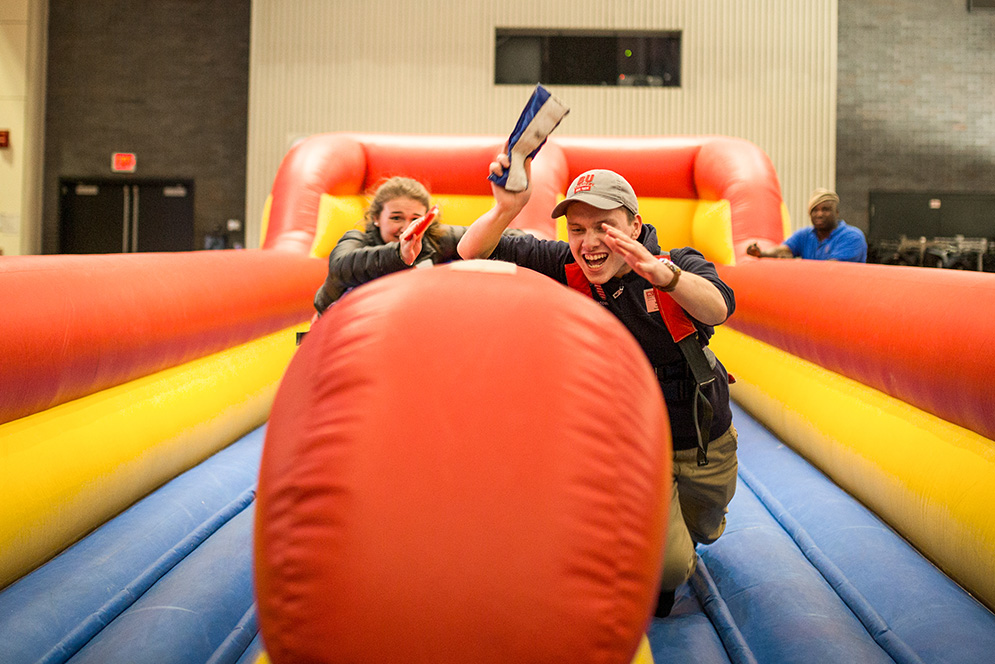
(94,217)
(123,216)
(163,216)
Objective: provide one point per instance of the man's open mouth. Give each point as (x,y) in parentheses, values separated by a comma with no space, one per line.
(594,261)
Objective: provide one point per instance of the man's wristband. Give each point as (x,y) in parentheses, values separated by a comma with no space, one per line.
(673,282)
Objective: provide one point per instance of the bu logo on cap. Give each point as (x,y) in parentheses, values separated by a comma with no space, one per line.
(584,183)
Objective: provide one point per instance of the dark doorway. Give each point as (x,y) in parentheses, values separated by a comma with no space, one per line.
(123,216)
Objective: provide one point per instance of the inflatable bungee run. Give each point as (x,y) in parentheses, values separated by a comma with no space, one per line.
(471,462)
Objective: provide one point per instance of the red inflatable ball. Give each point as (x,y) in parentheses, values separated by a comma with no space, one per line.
(465,463)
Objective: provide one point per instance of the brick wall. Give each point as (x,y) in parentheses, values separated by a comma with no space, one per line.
(167,80)
(916,100)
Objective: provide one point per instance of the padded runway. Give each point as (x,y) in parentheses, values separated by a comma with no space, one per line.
(802,574)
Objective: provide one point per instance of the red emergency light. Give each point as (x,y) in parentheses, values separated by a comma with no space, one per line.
(124,162)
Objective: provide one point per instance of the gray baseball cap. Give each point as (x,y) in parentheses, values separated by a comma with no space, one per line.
(604,189)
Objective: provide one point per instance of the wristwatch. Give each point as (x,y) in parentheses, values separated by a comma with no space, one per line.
(673,282)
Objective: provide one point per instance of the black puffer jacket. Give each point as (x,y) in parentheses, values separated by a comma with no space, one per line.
(362,256)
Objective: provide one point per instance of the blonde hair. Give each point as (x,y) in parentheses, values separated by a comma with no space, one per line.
(395,187)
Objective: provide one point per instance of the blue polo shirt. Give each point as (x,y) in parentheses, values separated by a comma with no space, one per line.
(845,243)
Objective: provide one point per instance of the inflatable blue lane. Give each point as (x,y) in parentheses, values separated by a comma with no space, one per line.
(697,631)
(784,608)
(810,575)
(803,574)
(192,610)
(252,652)
(161,547)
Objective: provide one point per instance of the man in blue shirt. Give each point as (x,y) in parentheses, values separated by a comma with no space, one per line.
(827,239)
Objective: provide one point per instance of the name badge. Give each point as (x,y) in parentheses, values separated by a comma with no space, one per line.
(651,303)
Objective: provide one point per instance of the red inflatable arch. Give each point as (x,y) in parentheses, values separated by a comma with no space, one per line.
(342,164)
(678,171)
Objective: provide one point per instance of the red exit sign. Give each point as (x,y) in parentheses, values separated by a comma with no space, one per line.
(124,162)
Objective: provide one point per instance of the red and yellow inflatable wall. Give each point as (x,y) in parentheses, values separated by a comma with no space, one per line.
(882,377)
(120,372)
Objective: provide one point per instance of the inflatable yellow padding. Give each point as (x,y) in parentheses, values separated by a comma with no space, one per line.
(679,222)
(66,470)
(462,210)
(336,215)
(684,222)
(264,223)
(711,231)
(643,655)
(672,218)
(785,221)
(931,480)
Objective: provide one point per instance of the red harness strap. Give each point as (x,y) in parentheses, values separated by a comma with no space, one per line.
(674,317)
(678,323)
(577,280)
(683,331)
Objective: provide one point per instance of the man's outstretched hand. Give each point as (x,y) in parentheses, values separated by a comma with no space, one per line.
(635,254)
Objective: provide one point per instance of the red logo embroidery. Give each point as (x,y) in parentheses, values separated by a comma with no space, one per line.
(584,183)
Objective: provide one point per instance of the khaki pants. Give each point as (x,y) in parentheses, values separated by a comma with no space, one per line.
(699,502)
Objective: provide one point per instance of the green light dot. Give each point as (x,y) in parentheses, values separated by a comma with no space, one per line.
(628,53)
